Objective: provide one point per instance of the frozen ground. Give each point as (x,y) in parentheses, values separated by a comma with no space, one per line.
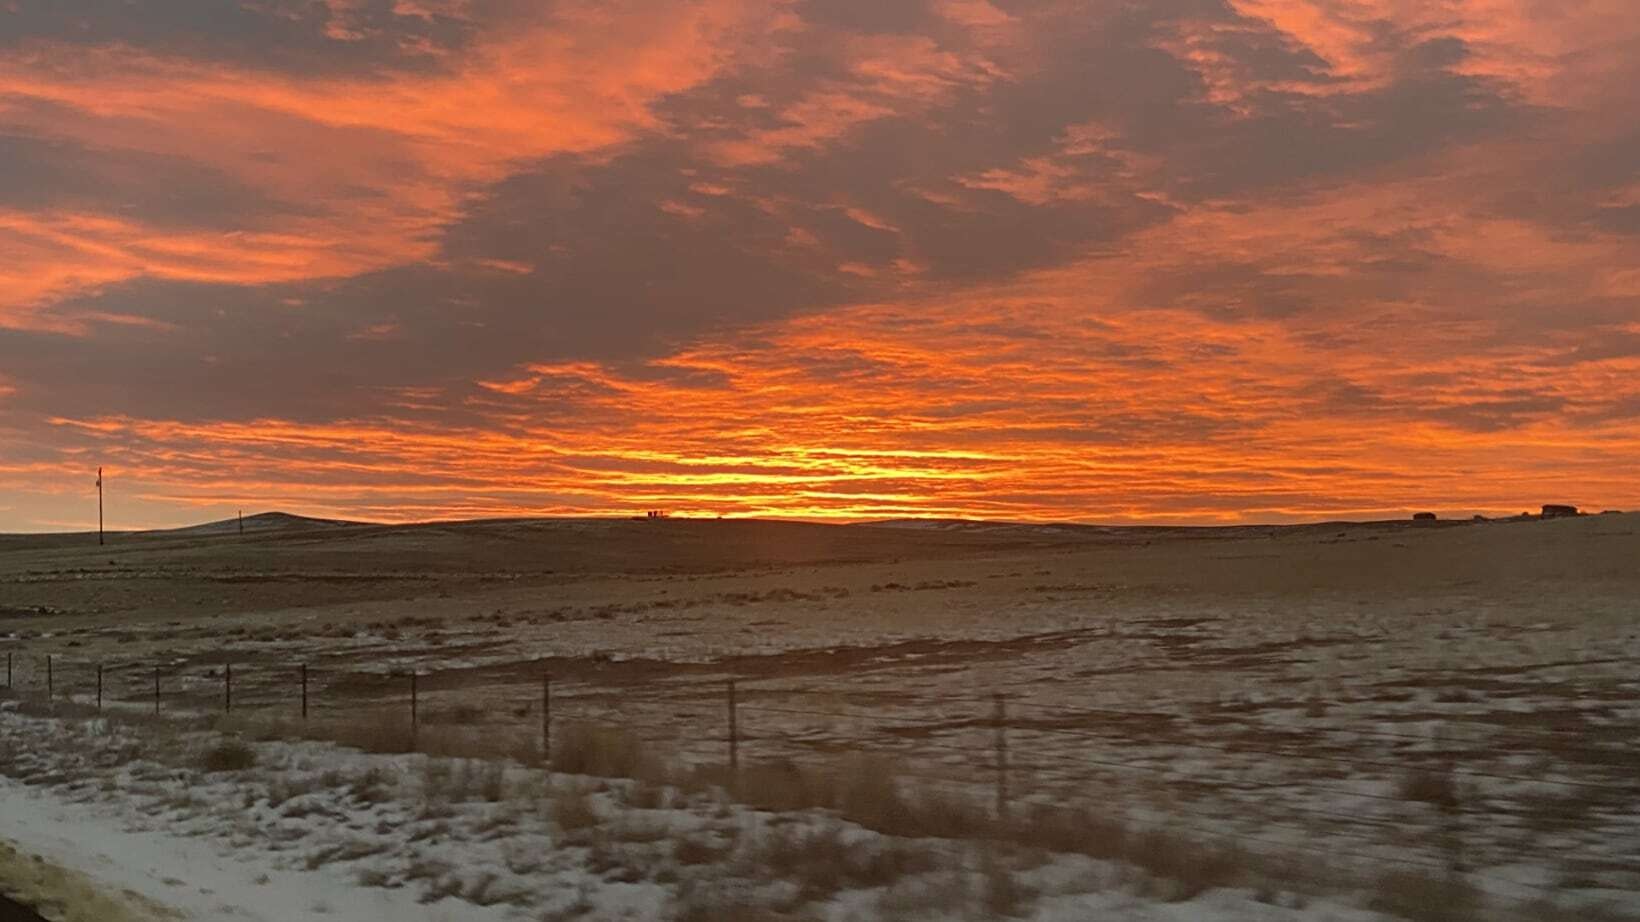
(308,830)
(1401,700)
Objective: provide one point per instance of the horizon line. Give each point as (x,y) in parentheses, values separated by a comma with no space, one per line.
(1464,517)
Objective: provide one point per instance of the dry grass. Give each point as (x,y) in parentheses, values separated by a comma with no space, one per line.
(721,903)
(387,733)
(866,790)
(229,755)
(572,810)
(65,895)
(823,860)
(1437,788)
(1427,898)
(943,895)
(1001,894)
(457,781)
(590,749)
(818,861)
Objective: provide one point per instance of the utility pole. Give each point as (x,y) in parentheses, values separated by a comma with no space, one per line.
(241,521)
(99,508)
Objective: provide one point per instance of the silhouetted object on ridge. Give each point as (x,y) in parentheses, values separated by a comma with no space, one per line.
(1423,517)
(1556,511)
(99,508)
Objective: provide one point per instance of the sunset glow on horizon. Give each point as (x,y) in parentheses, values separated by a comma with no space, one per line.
(1184,261)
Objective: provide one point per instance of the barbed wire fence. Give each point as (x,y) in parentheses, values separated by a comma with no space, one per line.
(1007,753)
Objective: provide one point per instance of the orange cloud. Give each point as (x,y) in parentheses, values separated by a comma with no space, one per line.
(1025,406)
(1555,54)
(1250,287)
(887,76)
(371,167)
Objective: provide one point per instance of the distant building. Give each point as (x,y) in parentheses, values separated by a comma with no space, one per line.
(1555,511)
(1423,517)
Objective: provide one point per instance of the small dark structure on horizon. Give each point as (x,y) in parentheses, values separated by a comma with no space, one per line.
(1423,517)
(652,514)
(1556,511)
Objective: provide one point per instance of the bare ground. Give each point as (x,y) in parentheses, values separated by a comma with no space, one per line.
(1460,696)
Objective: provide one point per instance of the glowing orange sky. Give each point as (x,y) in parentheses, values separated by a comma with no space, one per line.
(1169,261)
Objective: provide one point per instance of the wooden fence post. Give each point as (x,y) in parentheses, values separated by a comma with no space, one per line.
(156,689)
(412,709)
(1452,806)
(1001,720)
(8,670)
(99,686)
(546,719)
(304,692)
(227,688)
(734,734)
(50,683)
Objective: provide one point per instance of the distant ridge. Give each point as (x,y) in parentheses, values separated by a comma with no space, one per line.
(261,522)
(1088,529)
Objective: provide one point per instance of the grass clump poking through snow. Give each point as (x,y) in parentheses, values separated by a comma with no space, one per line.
(1180,866)
(776,841)
(65,895)
(865,790)
(589,749)
(572,810)
(825,859)
(1436,788)
(1428,898)
(460,781)
(228,756)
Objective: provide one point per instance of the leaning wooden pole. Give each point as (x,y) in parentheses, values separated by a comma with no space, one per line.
(99,507)
(546,719)
(734,735)
(1000,718)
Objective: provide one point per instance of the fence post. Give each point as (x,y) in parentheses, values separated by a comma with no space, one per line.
(304,691)
(8,670)
(50,683)
(156,689)
(1452,806)
(99,686)
(546,719)
(734,735)
(412,709)
(1001,720)
(227,688)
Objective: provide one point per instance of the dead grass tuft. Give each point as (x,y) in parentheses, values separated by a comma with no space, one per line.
(722,903)
(1428,898)
(866,790)
(572,810)
(589,749)
(1436,788)
(823,860)
(1002,895)
(228,756)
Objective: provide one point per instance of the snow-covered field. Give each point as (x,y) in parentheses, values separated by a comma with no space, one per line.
(1354,715)
(310,830)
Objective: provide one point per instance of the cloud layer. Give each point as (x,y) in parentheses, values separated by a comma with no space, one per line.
(1185,260)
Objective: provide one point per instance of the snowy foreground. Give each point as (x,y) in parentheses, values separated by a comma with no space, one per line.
(184,823)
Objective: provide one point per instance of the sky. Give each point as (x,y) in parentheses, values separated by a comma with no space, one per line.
(1176,261)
